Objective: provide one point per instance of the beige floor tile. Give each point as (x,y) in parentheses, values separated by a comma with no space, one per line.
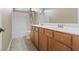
(22,44)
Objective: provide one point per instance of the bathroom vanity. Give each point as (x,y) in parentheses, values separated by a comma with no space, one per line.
(52,38)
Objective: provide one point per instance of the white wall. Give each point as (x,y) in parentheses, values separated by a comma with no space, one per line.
(0,33)
(7,25)
(20,24)
(78,15)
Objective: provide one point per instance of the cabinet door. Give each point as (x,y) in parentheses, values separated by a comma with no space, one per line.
(43,43)
(36,38)
(49,36)
(76,43)
(32,34)
(42,40)
(60,47)
(63,38)
(50,44)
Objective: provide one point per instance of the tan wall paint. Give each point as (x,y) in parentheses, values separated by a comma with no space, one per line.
(63,15)
(7,25)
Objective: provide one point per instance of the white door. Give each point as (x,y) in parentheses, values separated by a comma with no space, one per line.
(0,32)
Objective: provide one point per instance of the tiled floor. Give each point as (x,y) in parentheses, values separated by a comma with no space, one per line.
(22,44)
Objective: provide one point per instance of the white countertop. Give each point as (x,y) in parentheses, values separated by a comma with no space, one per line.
(70,30)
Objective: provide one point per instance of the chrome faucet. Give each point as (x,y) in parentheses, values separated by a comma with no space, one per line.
(60,25)
(42,24)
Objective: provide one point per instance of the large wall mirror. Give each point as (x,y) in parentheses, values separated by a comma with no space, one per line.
(57,15)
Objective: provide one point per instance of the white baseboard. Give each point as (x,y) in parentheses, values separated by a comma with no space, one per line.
(9,45)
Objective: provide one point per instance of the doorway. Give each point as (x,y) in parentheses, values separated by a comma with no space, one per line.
(20,24)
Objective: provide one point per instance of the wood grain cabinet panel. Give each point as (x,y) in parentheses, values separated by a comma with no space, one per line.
(49,33)
(32,34)
(50,40)
(60,47)
(63,38)
(36,38)
(50,44)
(76,43)
(42,40)
(43,43)
(41,30)
(36,29)
(49,36)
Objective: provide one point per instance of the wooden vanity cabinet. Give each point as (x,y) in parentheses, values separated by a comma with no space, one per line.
(63,38)
(62,41)
(49,37)
(51,40)
(75,41)
(60,47)
(32,34)
(35,36)
(42,40)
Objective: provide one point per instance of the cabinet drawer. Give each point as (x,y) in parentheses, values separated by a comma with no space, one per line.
(49,33)
(63,38)
(60,47)
(76,43)
(34,28)
(41,30)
